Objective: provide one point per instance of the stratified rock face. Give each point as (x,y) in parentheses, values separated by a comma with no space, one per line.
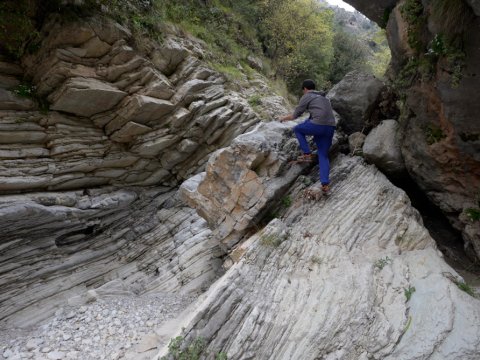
(85,97)
(382,148)
(353,276)
(119,118)
(82,202)
(241,181)
(57,246)
(441,132)
(354,98)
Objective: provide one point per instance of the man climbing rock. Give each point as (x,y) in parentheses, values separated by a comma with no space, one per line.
(320,124)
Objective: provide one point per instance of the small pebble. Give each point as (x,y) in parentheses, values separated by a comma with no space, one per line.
(7,353)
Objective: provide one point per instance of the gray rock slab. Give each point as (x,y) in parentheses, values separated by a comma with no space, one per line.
(10,101)
(85,97)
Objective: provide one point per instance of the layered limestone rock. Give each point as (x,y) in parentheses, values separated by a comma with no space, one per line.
(87,187)
(354,275)
(57,247)
(241,181)
(118,117)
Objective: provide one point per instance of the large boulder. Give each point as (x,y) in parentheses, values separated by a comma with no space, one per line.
(382,148)
(354,98)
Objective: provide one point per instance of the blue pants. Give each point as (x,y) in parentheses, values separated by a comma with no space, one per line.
(322,135)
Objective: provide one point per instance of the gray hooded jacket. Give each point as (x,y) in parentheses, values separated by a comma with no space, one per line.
(318,106)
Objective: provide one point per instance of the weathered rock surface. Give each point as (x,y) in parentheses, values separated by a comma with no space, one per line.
(120,119)
(85,97)
(374,10)
(353,276)
(143,237)
(355,142)
(240,181)
(82,199)
(84,217)
(382,148)
(354,98)
(440,134)
(10,101)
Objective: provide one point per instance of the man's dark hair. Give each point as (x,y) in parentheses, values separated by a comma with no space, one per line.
(308,84)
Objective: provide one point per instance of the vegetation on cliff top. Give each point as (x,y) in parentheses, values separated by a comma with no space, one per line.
(294,39)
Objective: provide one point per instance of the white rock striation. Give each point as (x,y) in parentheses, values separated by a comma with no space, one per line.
(352,276)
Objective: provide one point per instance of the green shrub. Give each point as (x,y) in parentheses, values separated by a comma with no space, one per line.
(434,134)
(412,12)
(473,214)
(381,263)
(178,349)
(409,292)
(254,100)
(407,74)
(273,240)
(465,287)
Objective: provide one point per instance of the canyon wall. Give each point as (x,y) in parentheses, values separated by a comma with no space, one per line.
(435,57)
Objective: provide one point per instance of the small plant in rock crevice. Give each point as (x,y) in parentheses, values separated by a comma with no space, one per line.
(286,201)
(178,349)
(465,287)
(273,240)
(434,134)
(254,100)
(25,90)
(381,263)
(28,90)
(409,292)
(473,214)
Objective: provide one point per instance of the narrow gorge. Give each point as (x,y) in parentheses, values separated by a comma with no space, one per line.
(150,210)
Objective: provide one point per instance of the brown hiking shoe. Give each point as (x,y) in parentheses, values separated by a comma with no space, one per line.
(306,158)
(326,189)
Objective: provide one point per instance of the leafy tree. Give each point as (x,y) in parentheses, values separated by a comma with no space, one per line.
(349,54)
(298,35)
